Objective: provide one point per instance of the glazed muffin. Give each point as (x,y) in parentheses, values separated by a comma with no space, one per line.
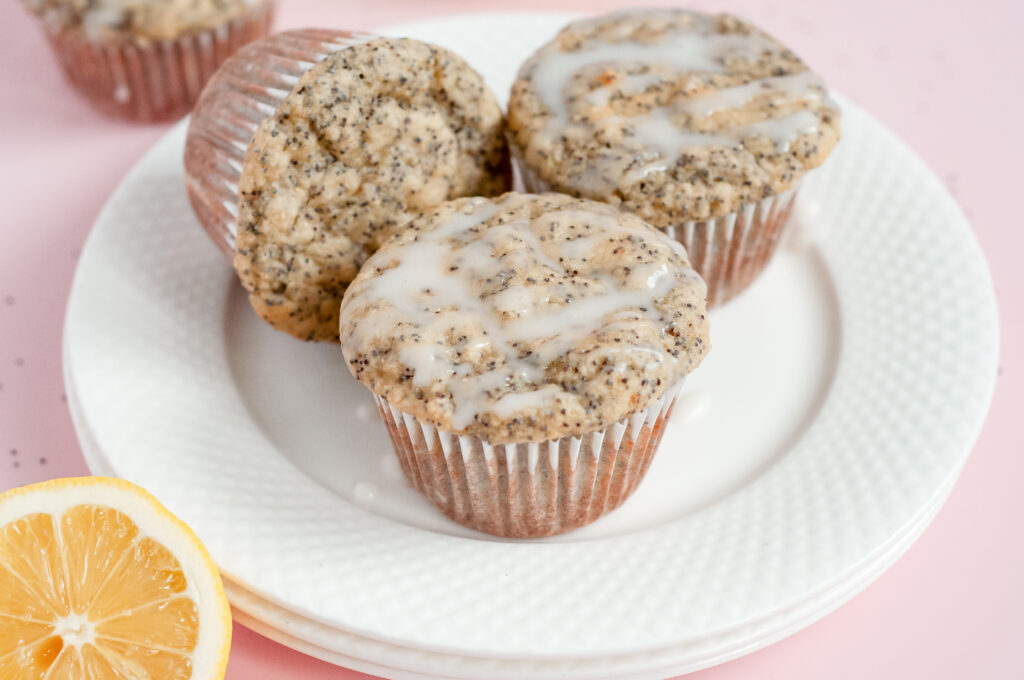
(147,60)
(366,138)
(525,353)
(703,125)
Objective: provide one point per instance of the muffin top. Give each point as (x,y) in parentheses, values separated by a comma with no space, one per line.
(367,138)
(675,115)
(524,318)
(142,19)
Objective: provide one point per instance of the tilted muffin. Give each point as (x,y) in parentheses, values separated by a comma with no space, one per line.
(701,124)
(148,59)
(368,137)
(525,352)
(245,91)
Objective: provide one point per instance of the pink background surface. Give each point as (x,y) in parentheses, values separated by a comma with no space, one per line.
(947,81)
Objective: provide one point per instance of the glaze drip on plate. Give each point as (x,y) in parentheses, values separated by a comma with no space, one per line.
(490,314)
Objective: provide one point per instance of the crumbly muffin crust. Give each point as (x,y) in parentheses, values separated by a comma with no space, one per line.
(366,139)
(140,19)
(524,318)
(672,114)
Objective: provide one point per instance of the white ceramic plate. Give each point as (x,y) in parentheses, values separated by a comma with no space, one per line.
(403,663)
(840,400)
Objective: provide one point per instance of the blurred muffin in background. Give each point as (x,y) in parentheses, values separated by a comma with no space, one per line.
(147,60)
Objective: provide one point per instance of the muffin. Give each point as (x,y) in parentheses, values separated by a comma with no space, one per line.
(243,92)
(703,125)
(525,353)
(365,139)
(147,60)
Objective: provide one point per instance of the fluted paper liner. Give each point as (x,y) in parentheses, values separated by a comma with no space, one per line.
(528,490)
(730,251)
(152,80)
(246,89)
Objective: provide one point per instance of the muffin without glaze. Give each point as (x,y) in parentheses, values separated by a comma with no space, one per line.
(674,115)
(241,94)
(368,137)
(524,318)
(140,19)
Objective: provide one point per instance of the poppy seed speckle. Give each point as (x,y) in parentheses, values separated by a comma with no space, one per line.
(705,114)
(367,138)
(524,318)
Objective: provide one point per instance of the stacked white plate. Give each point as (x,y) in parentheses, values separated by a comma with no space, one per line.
(840,400)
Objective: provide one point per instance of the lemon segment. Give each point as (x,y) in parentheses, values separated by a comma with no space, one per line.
(101,582)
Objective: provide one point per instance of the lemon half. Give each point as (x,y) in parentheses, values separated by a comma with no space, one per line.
(98,580)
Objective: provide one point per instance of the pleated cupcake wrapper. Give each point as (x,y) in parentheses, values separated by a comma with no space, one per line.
(155,80)
(246,90)
(528,490)
(730,251)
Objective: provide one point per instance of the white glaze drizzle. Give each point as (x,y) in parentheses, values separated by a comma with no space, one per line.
(680,51)
(783,131)
(97,21)
(656,131)
(433,284)
(630,84)
(658,138)
(802,85)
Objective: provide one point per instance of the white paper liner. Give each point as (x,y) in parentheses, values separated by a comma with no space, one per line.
(246,89)
(531,489)
(157,80)
(728,251)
